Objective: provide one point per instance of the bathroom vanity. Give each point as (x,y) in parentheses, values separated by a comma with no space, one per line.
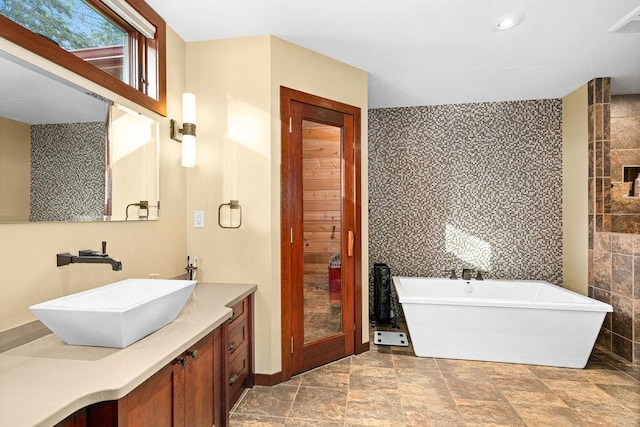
(189,373)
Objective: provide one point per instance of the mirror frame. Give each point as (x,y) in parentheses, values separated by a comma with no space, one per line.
(26,39)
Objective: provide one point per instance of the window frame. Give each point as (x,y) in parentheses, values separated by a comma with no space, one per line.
(31,41)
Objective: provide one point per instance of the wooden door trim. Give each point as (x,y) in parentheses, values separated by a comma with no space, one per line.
(286,96)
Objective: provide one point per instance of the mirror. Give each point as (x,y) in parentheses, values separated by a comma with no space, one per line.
(67,154)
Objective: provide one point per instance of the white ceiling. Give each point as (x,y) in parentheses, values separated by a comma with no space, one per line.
(37,97)
(429,52)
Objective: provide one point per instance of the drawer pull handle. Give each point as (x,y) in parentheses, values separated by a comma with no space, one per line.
(232,346)
(232,379)
(182,361)
(192,353)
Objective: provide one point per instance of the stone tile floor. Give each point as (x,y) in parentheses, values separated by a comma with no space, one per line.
(390,386)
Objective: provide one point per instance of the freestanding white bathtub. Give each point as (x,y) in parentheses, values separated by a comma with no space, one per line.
(527,322)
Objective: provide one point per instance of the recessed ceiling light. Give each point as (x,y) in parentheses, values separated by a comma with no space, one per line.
(507,22)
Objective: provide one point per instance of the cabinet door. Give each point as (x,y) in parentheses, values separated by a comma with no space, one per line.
(157,402)
(198,384)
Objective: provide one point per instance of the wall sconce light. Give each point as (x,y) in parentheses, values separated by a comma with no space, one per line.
(188,130)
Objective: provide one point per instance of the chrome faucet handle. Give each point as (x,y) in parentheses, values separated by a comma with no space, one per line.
(479,275)
(452,273)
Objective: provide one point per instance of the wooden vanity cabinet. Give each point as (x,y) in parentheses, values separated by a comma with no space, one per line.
(238,352)
(186,392)
(182,393)
(196,389)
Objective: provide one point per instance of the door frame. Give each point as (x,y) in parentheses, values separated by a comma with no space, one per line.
(286,96)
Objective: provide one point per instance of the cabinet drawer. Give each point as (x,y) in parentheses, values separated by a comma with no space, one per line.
(236,375)
(238,311)
(237,336)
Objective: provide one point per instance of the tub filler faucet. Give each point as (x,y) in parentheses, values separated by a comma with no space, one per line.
(452,274)
(89,257)
(467,273)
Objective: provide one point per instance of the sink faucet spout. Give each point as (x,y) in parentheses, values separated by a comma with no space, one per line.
(88,257)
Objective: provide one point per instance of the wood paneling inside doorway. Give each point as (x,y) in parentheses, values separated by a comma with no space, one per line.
(321,196)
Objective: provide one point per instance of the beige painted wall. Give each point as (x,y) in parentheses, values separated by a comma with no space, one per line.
(237,83)
(15,155)
(27,251)
(575,242)
(302,69)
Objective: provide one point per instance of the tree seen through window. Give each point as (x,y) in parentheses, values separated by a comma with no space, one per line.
(72,24)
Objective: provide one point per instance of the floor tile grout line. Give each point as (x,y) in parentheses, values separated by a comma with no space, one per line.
(404,418)
(295,396)
(513,408)
(446,384)
(240,399)
(615,366)
(346,404)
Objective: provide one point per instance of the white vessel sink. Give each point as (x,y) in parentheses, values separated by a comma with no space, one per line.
(115,315)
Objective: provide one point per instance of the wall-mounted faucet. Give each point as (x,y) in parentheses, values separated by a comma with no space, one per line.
(88,256)
(467,273)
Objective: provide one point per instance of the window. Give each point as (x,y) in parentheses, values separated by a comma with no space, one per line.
(124,39)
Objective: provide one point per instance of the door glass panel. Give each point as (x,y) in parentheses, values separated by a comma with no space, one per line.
(322,226)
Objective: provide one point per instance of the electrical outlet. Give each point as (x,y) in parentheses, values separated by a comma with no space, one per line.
(198,219)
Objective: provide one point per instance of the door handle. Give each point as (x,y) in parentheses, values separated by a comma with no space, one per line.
(350,242)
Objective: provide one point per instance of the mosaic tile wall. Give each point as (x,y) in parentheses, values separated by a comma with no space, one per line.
(614,239)
(467,186)
(67,172)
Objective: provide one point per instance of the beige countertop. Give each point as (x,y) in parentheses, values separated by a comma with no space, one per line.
(46,380)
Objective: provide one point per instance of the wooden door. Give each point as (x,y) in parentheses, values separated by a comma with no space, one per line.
(321,288)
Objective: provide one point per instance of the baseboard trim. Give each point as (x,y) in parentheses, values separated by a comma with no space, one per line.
(268,380)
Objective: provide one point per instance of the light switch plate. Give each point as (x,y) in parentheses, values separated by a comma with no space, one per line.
(198,219)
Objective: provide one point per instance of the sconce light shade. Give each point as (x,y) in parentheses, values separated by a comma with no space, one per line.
(188,108)
(188,130)
(188,151)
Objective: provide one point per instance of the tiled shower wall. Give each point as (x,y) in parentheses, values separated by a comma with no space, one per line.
(67,172)
(614,220)
(625,151)
(467,186)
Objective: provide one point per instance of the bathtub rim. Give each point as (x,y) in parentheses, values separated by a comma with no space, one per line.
(585,303)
